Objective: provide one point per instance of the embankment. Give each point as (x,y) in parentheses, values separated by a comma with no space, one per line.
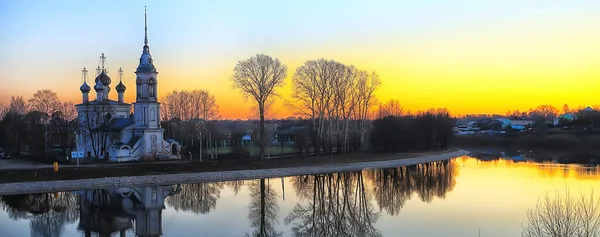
(551,141)
(211,173)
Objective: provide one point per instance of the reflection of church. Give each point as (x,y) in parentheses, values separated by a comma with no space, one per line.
(106,127)
(104,212)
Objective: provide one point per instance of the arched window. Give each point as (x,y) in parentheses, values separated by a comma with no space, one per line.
(151,89)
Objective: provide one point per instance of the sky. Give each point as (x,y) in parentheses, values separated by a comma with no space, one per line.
(469,56)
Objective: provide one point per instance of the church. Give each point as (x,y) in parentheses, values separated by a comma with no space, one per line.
(107,129)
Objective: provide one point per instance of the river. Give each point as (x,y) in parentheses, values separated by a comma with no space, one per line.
(465,196)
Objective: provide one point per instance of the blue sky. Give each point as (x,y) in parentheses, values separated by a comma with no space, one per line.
(195,44)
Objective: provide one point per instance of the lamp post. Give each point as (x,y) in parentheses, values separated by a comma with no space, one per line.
(200,144)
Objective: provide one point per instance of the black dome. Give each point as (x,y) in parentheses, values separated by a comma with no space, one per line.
(120,87)
(105,79)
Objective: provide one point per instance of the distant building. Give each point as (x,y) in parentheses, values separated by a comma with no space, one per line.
(106,128)
(521,122)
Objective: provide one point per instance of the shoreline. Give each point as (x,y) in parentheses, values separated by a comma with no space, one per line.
(218,176)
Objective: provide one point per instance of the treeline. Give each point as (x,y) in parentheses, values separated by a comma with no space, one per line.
(338,100)
(37,125)
(430,130)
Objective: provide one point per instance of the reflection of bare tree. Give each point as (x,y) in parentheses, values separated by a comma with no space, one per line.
(48,213)
(336,205)
(434,179)
(393,187)
(236,186)
(263,209)
(198,198)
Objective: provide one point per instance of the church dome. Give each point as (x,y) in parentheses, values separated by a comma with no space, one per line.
(99,86)
(120,87)
(85,87)
(104,78)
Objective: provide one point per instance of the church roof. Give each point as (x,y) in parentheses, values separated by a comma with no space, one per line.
(103,102)
(118,124)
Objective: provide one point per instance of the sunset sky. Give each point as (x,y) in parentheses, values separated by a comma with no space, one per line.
(470,56)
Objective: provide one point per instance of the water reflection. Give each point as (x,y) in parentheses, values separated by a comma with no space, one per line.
(403,201)
(47,213)
(198,198)
(263,209)
(335,205)
(393,187)
(100,211)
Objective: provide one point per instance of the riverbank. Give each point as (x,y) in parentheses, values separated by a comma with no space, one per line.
(550,141)
(40,181)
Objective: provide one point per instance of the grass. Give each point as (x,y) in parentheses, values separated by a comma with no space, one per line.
(169,167)
(255,150)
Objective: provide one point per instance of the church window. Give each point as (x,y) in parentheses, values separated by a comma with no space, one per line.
(151,90)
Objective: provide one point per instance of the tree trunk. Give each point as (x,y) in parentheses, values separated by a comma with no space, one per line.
(262,208)
(262,130)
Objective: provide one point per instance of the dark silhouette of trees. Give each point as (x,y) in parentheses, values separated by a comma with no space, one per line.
(38,125)
(257,78)
(333,205)
(430,130)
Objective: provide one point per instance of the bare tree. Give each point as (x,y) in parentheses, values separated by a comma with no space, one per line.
(61,128)
(366,85)
(257,78)
(68,110)
(45,101)
(331,94)
(18,105)
(564,216)
(270,111)
(544,113)
(391,108)
(3,111)
(208,108)
(93,125)
(566,109)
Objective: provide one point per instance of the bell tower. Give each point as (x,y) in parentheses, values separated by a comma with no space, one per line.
(146,106)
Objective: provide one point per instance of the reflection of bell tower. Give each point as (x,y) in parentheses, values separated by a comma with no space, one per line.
(148,215)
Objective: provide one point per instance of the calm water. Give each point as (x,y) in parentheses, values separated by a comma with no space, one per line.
(459,197)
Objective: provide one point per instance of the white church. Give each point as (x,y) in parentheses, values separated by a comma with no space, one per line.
(107,128)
